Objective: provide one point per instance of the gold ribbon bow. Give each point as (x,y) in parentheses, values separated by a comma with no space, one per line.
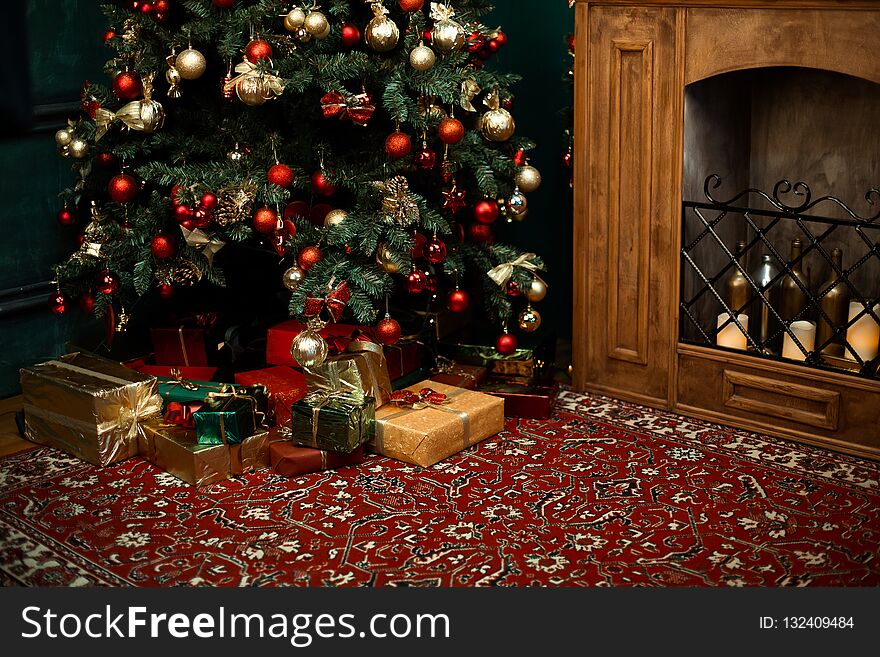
(502,273)
(469,91)
(144,115)
(247,69)
(441,12)
(200,241)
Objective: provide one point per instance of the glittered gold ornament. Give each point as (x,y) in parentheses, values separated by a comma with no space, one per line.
(293,278)
(309,349)
(191,64)
(78,148)
(496,124)
(252,91)
(529,320)
(536,290)
(383,259)
(528,178)
(316,24)
(382,34)
(63,137)
(294,20)
(447,34)
(335,218)
(422,58)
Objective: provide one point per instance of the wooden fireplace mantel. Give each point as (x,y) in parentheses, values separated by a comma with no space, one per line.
(633,60)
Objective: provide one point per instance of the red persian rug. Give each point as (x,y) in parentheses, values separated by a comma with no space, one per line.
(603,494)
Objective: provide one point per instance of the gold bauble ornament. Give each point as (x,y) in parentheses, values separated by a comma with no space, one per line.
(63,137)
(536,291)
(294,20)
(383,259)
(323,35)
(517,206)
(447,36)
(191,64)
(497,125)
(173,76)
(293,278)
(316,23)
(309,349)
(430,110)
(422,58)
(302,34)
(528,178)
(382,33)
(335,218)
(252,91)
(529,320)
(78,148)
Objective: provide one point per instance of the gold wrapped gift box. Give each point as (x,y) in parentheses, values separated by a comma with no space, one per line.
(87,406)
(427,435)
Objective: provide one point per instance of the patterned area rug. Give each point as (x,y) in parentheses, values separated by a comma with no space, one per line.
(604,494)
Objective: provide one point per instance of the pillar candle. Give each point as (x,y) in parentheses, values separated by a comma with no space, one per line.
(863,336)
(805,332)
(730,336)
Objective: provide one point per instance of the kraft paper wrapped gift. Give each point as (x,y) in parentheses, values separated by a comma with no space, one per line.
(286,386)
(425,435)
(88,406)
(290,460)
(361,369)
(337,421)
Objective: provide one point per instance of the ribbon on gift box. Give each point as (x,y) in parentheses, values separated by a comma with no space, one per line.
(410,401)
(320,398)
(180,414)
(503,272)
(359,108)
(334,302)
(419,400)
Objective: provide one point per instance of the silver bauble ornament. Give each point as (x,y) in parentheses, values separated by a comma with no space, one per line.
(316,23)
(383,259)
(293,278)
(382,34)
(78,148)
(309,349)
(63,137)
(191,64)
(447,36)
(252,91)
(335,218)
(536,290)
(497,125)
(422,58)
(529,320)
(528,178)
(294,20)
(517,205)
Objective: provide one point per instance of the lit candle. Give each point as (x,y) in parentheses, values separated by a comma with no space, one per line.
(730,336)
(805,332)
(864,335)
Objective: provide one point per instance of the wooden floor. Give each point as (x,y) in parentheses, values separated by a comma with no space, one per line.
(10,441)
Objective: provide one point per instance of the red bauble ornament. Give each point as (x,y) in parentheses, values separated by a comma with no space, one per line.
(431,283)
(513,289)
(321,185)
(258,49)
(458,301)
(506,344)
(435,251)
(146,7)
(475,42)
(209,201)
(183,213)
(281,175)
(309,257)
(202,218)
(223,4)
(450,130)
(486,212)
(296,209)
(388,331)
(265,220)
(107,282)
(127,85)
(411,5)
(418,250)
(109,34)
(65,217)
(416,281)
(351,35)
(105,160)
(427,36)
(122,188)
(175,192)
(480,233)
(571,42)
(87,303)
(166,291)
(162,246)
(58,303)
(426,158)
(500,38)
(398,144)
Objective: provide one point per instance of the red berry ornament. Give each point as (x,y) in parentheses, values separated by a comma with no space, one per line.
(183,213)
(398,144)
(500,39)
(506,344)
(411,5)
(65,217)
(309,257)
(258,49)
(58,303)
(127,85)
(107,282)
(296,209)
(122,188)
(486,212)
(281,175)
(450,130)
(265,220)
(416,281)
(458,301)
(87,303)
(162,246)
(435,251)
(209,201)
(109,34)
(513,289)
(321,184)
(351,35)
(388,331)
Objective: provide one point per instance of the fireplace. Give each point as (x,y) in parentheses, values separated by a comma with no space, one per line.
(727,216)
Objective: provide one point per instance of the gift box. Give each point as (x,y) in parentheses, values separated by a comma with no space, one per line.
(528,361)
(226,420)
(289,460)
(523,398)
(87,406)
(146,366)
(426,433)
(403,358)
(286,386)
(181,345)
(280,337)
(460,376)
(361,370)
(333,421)
(252,455)
(185,391)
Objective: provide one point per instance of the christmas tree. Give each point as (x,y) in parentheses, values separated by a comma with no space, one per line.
(368,144)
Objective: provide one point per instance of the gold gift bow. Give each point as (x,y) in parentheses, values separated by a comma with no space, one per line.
(320,398)
(502,273)
(200,241)
(247,70)
(379,440)
(441,12)
(180,381)
(130,114)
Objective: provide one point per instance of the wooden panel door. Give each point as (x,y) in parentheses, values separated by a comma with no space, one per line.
(627,200)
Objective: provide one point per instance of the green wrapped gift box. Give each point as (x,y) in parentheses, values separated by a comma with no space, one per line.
(183,391)
(334,422)
(226,420)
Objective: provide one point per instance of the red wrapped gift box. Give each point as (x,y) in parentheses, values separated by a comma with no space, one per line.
(403,358)
(289,460)
(286,384)
(461,376)
(148,366)
(523,398)
(281,336)
(180,346)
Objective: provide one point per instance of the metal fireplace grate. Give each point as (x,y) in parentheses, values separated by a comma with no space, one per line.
(766,322)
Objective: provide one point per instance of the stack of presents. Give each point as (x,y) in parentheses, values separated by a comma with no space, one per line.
(364,399)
